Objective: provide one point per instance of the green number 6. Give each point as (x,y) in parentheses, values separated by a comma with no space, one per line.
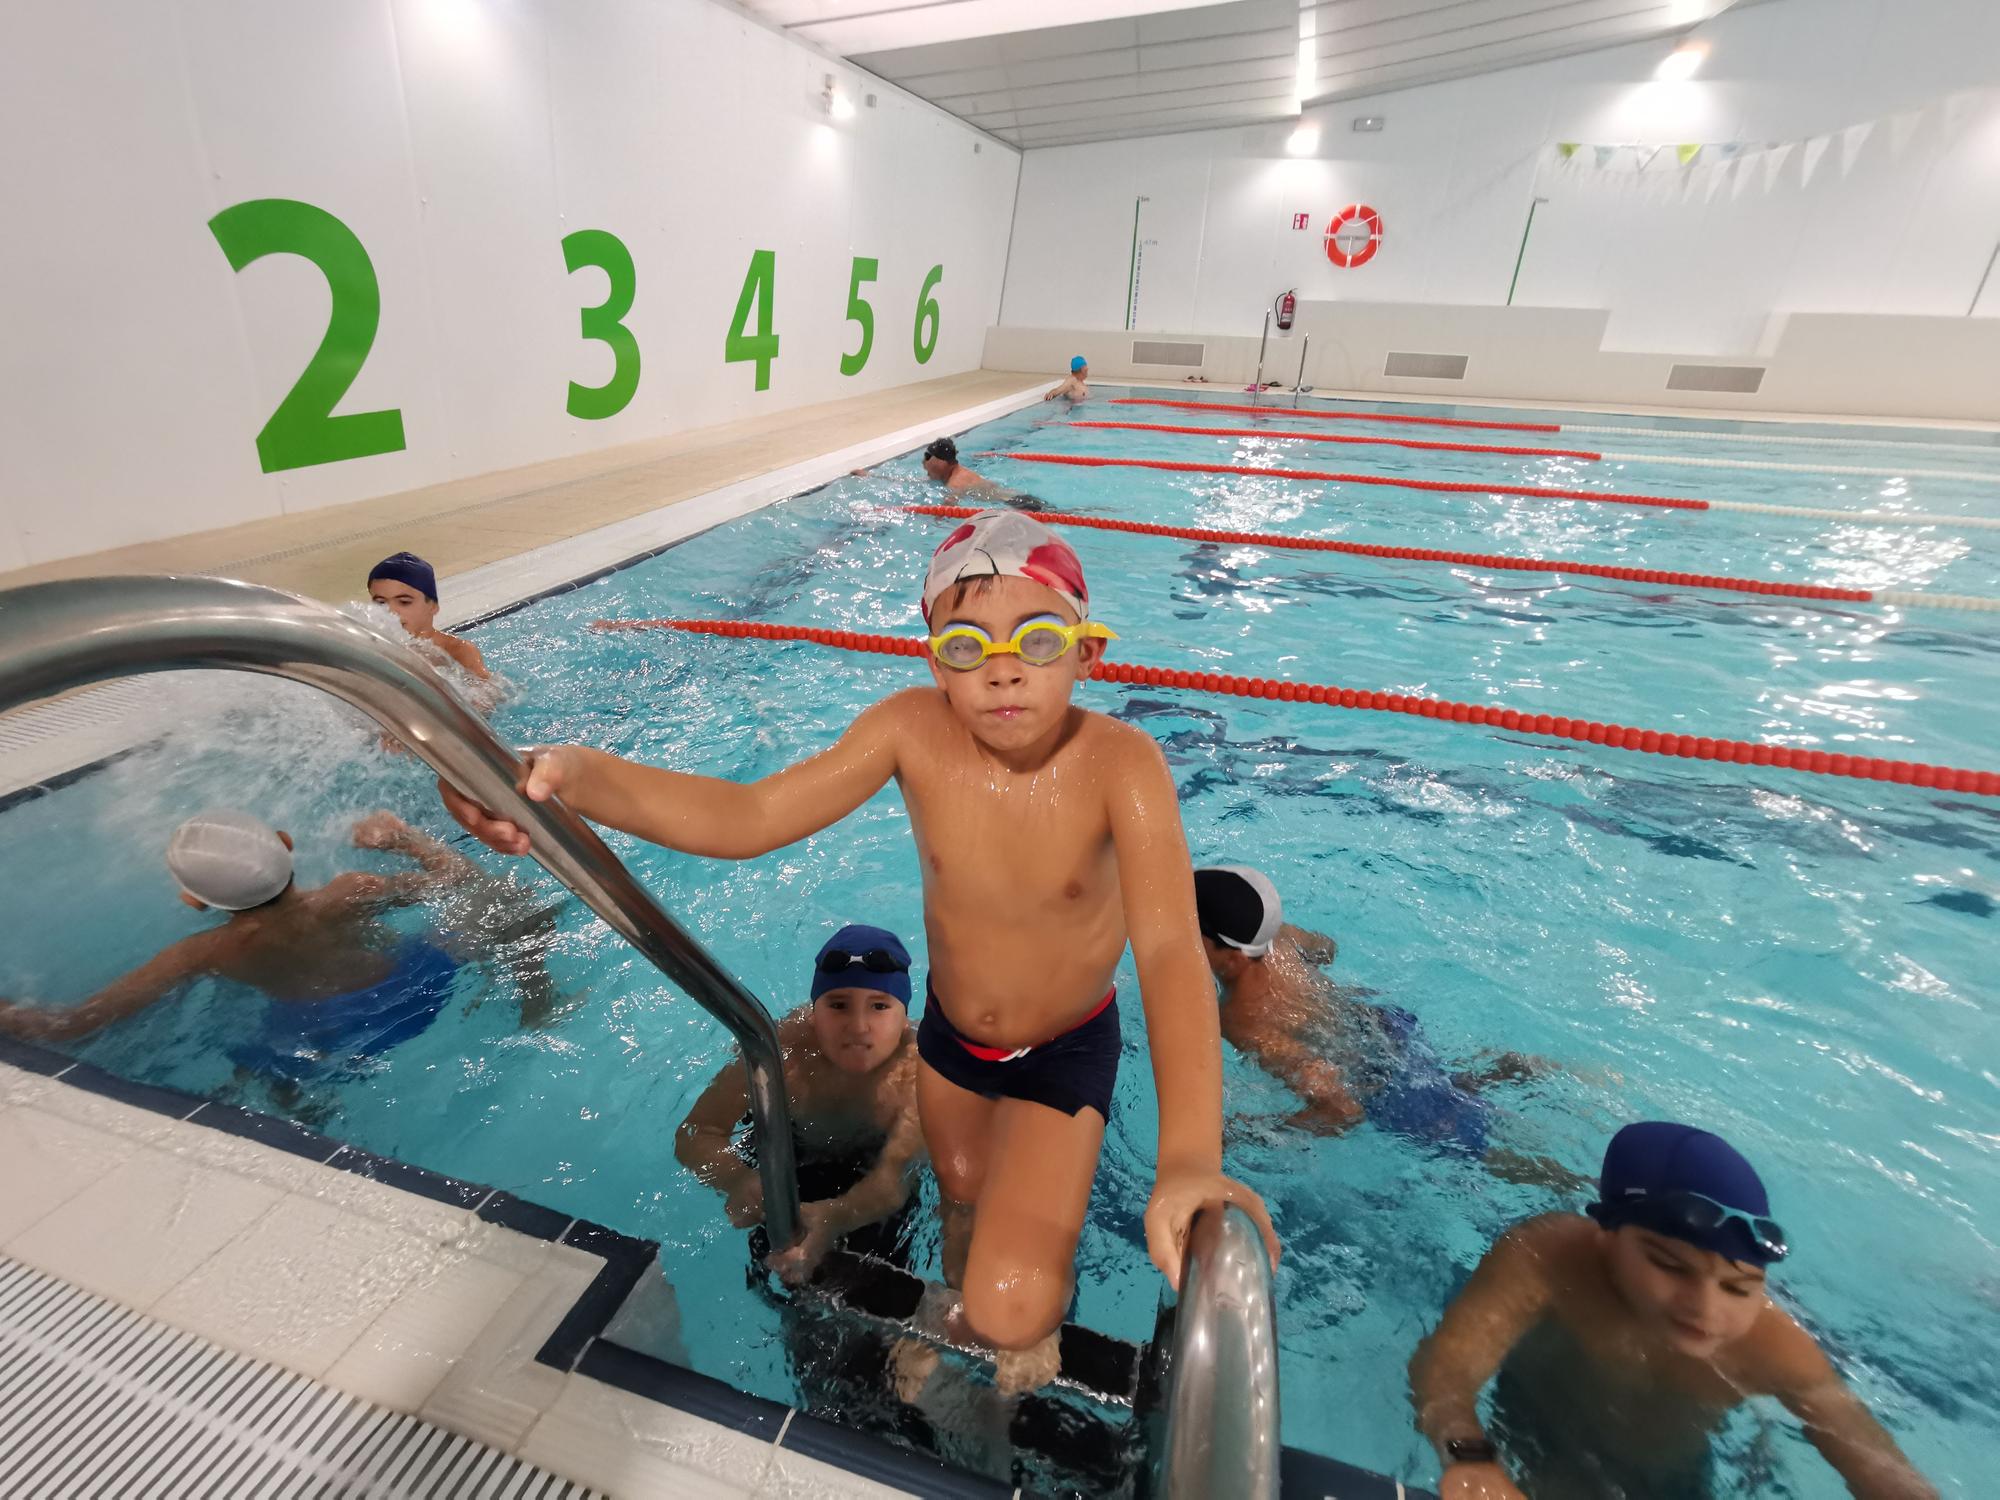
(303,430)
(603,249)
(927,311)
(858,311)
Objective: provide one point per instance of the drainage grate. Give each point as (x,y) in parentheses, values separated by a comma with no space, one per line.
(1741,380)
(1426,366)
(106,1401)
(1167,352)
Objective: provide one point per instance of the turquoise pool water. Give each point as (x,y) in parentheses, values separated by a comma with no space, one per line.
(1791,960)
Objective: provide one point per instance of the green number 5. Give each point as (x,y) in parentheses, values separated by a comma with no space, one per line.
(604,250)
(303,430)
(858,311)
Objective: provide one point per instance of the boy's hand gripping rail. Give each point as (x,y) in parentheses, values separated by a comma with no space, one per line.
(1215,1373)
(58,636)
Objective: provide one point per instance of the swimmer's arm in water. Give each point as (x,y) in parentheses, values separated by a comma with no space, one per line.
(437,865)
(1330,1106)
(1837,1422)
(706,815)
(1182,1030)
(1314,947)
(885,1189)
(1505,1297)
(462,651)
(705,1145)
(152,981)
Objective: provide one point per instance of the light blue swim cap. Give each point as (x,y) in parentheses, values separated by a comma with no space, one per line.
(1077,363)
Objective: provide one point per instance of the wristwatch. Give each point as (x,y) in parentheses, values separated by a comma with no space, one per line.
(1477,1450)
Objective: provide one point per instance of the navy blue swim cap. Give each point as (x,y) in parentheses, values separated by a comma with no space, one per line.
(1655,1159)
(860,957)
(407,567)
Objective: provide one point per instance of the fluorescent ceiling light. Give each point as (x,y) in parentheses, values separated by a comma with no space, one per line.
(1682,63)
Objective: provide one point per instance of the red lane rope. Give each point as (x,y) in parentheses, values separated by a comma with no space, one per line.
(1331,437)
(1429,554)
(1338,416)
(1618,736)
(1449,487)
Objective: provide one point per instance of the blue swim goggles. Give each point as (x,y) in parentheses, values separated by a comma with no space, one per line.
(1683,1213)
(1038,641)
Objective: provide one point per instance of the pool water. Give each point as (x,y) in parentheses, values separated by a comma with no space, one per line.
(1790,960)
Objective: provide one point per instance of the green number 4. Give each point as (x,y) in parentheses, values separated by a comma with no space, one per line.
(303,430)
(858,311)
(603,249)
(741,345)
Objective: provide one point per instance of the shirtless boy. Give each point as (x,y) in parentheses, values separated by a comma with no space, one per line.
(406,586)
(342,984)
(1623,1339)
(1075,385)
(850,1059)
(1047,837)
(1346,1060)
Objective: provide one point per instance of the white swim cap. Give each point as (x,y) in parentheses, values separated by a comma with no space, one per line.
(1239,908)
(229,860)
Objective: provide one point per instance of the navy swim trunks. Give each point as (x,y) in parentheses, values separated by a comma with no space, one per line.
(1075,1070)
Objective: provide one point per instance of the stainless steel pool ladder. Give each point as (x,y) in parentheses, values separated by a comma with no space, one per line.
(59,636)
(1215,1373)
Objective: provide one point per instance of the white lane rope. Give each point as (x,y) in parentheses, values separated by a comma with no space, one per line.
(1859,517)
(1678,433)
(1761,463)
(1906,599)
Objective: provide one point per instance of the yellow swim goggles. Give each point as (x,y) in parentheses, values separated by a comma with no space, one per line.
(1039,641)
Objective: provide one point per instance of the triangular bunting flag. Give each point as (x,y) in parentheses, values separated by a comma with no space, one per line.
(1604,155)
(1815,149)
(1567,149)
(1774,163)
(1957,107)
(1687,153)
(1852,140)
(1746,173)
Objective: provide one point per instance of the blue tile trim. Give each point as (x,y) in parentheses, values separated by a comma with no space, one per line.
(885,1463)
(625,1261)
(523,1217)
(268,1130)
(170,1102)
(683,1389)
(32,1059)
(411,1179)
(1307,1476)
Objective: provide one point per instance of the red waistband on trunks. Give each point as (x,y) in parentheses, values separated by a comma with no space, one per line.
(1002,1054)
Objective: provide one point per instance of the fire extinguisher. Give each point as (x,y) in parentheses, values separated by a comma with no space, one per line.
(1288,306)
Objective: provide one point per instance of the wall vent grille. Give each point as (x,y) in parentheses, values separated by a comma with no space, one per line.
(1166,352)
(1740,380)
(1426,366)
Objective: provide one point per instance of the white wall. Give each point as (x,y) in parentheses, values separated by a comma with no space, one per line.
(460,140)
(1693,263)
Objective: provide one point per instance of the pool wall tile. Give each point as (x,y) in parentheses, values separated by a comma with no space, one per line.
(523,1217)
(421,1181)
(266,1130)
(873,1459)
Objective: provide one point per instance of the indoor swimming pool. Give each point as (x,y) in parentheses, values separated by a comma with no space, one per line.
(1786,958)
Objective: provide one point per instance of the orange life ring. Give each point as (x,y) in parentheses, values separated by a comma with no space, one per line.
(1354,213)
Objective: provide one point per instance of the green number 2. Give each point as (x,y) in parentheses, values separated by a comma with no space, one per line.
(858,311)
(303,430)
(758,287)
(603,249)
(927,312)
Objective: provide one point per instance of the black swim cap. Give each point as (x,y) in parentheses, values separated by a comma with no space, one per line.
(1238,907)
(943,448)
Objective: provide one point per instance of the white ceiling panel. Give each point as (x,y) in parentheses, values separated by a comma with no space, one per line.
(1056,72)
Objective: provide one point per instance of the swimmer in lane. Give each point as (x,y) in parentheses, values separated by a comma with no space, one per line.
(341,983)
(1346,1060)
(941,466)
(406,586)
(1622,1339)
(850,1059)
(1075,385)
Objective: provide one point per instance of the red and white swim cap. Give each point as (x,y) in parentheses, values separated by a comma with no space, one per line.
(1006,543)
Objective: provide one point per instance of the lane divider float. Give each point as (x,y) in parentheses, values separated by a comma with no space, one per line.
(1582,455)
(1526,491)
(1616,736)
(1497,561)
(1338,416)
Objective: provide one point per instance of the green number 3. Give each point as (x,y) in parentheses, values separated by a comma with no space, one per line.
(303,430)
(603,249)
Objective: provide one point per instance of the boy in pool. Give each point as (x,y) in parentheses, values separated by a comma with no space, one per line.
(942,466)
(406,586)
(1623,1339)
(341,983)
(1046,836)
(851,1074)
(1075,385)
(1288,1018)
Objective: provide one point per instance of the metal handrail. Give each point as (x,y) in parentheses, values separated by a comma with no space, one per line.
(1217,1377)
(58,636)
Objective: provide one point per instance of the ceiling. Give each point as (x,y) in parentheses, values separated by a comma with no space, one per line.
(1147,67)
